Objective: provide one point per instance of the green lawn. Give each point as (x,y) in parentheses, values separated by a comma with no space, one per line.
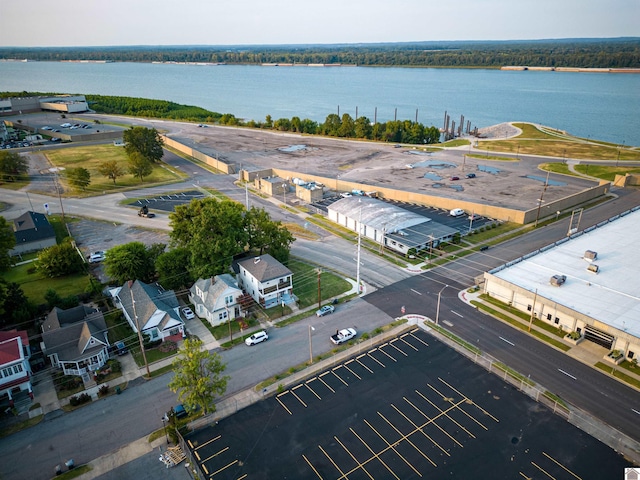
(606,173)
(91,157)
(305,283)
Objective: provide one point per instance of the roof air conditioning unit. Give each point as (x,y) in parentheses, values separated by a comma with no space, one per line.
(590,255)
(558,280)
(593,268)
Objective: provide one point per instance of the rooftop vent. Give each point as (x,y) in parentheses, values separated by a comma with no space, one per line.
(558,280)
(256,260)
(593,268)
(590,255)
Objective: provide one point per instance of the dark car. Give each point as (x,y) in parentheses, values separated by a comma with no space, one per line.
(471,175)
(179,411)
(455,178)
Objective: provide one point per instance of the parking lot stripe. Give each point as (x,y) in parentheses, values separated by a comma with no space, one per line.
(418,429)
(542,470)
(215,454)
(283,405)
(561,466)
(325,383)
(331,460)
(419,339)
(441,414)
(375,455)
(381,350)
(406,436)
(472,402)
(360,465)
(299,399)
(375,359)
(363,365)
(204,444)
(402,338)
(392,446)
(338,376)
(312,390)
(393,344)
(223,468)
(345,366)
(428,422)
(312,467)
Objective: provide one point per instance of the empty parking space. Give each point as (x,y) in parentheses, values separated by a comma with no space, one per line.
(409,408)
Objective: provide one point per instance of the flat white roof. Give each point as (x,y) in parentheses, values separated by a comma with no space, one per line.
(611,296)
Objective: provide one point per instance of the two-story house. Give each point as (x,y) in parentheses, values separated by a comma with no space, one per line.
(150,308)
(268,281)
(75,340)
(15,372)
(216,299)
(33,232)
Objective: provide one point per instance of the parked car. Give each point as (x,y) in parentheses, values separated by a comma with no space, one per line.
(97,257)
(179,411)
(326,310)
(344,335)
(188,313)
(256,338)
(474,216)
(456,212)
(455,178)
(471,175)
(121,348)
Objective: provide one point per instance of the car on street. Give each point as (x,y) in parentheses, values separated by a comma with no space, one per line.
(256,338)
(188,313)
(326,310)
(97,257)
(455,178)
(471,175)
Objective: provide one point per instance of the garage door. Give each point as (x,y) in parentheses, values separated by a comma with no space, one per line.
(598,336)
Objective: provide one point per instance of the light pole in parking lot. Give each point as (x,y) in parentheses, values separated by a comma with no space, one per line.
(311,329)
(438,306)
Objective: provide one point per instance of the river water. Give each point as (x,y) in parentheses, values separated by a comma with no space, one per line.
(600,106)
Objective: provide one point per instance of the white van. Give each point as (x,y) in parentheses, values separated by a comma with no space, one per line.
(457,212)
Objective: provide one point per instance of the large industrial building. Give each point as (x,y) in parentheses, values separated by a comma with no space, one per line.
(587,283)
(391,226)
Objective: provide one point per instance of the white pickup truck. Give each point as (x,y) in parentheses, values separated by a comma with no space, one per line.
(344,335)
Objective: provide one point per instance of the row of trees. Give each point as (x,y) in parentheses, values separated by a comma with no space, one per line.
(12,166)
(206,235)
(600,53)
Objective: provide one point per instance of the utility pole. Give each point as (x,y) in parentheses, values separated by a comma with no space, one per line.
(358,251)
(546,184)
(319,295)
(533,309)
(135,315)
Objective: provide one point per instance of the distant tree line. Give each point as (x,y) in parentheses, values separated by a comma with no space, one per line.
(585,53)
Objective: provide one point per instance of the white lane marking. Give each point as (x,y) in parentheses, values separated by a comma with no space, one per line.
(635,411)
(447,323)
(505,340)
(415,291)
(456,313)
(567,374)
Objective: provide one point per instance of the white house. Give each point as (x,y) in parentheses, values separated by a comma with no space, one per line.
(76,340)
(151,308)
(216,299)
(267,281)
(15,372)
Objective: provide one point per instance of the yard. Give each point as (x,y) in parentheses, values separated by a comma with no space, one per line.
(91,157)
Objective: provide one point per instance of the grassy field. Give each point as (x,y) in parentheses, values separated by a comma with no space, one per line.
(606,173)
(554,143)
(91,157)
(305,283)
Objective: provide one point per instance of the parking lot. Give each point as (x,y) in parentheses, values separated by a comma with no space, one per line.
(167,203)
(409,408)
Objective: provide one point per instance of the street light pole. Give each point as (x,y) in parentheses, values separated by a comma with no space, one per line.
(310,345)
(164,425)
(438,306)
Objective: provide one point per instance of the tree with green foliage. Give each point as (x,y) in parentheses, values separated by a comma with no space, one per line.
(139,166)
(12,165)
(78,177)
(145,141)
(111,169)
(7,242)
(172,268)
(15,308)
(198,378)
(60,260)
(213,231)
(130,261)
(266,235)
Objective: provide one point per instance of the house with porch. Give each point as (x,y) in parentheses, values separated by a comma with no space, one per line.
(75,340)
(151,309)
(15,371)
(268,281)
(216,299)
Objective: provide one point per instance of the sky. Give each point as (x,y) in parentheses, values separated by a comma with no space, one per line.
(275,22)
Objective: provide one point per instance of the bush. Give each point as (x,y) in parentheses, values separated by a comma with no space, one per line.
(79,399)
(103,390)
(168,346)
